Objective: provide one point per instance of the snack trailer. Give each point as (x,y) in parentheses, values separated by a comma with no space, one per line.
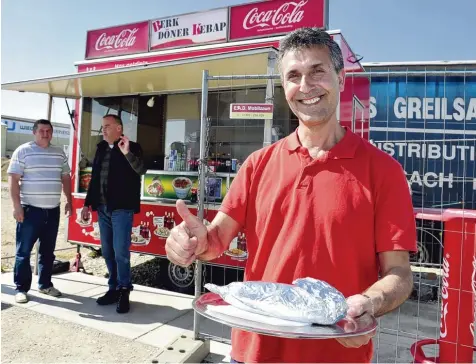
(150,74)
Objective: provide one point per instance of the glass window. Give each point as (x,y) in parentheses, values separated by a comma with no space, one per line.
(182,132)
(284,120)
(91,122)
(233,139)
(236,139)
(150,130)
(168,127)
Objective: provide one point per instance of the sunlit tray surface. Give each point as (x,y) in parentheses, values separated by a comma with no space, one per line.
(213,307)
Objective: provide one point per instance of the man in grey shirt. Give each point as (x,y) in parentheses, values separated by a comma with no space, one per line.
(37,172)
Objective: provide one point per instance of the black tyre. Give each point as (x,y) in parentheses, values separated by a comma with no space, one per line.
(429,246)
(177,279)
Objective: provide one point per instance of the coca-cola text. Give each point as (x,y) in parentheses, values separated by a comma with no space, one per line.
(125,39)
(287,14)
(444,296)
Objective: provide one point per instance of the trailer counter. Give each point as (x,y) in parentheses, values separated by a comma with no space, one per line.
(159,192)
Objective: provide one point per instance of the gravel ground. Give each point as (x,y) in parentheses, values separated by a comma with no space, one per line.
(142,274)
(28,336)
(9,228)
(56,344)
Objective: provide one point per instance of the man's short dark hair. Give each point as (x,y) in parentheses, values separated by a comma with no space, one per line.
(116,118)
(42,122)
(303,38)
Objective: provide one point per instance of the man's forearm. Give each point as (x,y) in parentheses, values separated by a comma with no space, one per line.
(67,188)
(391,291)
(136,163)
(15,192)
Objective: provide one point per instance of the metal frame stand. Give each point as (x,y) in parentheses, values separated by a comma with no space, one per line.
(203,164)
(78,264)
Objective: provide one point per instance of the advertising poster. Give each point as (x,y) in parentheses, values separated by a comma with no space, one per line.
(166,186)
(429,125)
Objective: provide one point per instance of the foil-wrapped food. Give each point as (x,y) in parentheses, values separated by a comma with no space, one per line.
(307,300)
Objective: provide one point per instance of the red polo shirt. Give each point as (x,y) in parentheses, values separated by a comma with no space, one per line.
(326,219)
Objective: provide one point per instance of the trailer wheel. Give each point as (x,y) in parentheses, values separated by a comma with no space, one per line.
(178,279)
(429,248)
(421,255)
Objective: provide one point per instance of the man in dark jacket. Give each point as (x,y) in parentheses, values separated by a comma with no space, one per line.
(114,192)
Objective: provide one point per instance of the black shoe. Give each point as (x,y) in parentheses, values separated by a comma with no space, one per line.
(123,301)
(109,298)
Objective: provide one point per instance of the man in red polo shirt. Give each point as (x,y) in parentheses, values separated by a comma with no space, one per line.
(321,203)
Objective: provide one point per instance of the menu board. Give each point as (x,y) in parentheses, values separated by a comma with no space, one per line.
(173,186)
(168,186)
(216,188)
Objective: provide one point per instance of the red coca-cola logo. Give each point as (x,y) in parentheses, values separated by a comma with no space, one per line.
(288,13)
(275,17)
(125,39)
(444,296)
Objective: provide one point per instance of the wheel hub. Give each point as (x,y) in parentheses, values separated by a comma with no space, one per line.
(182,277)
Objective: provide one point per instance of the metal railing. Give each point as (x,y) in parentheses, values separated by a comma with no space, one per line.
(423,320)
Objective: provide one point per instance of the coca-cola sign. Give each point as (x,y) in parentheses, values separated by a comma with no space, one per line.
(275,17)
(120,40)
(444,297)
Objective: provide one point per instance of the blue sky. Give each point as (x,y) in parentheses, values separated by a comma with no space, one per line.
(45,38)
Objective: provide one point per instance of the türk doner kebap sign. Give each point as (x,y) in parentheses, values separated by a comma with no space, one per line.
(189,29)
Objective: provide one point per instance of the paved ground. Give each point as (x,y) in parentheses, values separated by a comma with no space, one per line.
(75,328)
(28,336)
(75,321)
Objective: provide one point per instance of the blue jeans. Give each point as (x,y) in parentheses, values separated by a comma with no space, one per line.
(37,224)
(115,229)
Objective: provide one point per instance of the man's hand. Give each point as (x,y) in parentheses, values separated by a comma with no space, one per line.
(358,305)
(124,145)
(188,239)
(67,209)
(85,214)
(18,213)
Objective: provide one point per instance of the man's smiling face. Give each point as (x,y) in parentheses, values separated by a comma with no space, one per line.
(311,84)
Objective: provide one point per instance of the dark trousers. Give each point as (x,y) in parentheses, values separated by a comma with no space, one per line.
(115,229)
(38,224)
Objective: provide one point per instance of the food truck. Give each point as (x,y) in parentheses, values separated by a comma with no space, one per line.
(150,74)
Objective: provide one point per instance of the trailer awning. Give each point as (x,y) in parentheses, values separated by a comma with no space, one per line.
(170,76)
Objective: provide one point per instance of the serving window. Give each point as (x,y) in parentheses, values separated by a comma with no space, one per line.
(168,129)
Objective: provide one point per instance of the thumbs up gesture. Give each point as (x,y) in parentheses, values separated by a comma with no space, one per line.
(188,239)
